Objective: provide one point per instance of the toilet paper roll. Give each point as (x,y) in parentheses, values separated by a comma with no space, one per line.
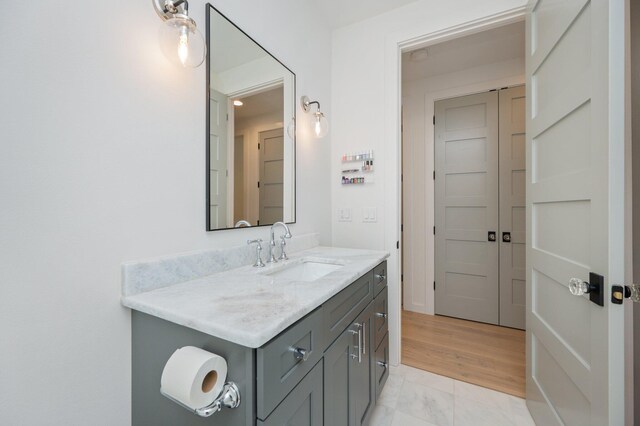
(194,376)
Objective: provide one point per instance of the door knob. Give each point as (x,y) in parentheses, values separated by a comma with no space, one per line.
(621,292)
(594,288)
(577,287)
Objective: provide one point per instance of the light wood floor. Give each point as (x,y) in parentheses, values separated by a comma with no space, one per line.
(473,352)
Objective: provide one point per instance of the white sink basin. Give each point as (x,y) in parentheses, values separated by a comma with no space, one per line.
(305,270)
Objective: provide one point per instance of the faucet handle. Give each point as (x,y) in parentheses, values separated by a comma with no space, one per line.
(258,242)
(283,243)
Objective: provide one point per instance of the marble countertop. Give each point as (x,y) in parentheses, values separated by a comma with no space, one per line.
(247,306)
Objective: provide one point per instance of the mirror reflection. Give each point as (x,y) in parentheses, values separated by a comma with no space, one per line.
(250,155)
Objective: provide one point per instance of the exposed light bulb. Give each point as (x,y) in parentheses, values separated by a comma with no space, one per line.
(183,45)
(318,126)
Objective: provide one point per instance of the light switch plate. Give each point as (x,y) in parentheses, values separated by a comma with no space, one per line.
(369,215)
(344,215)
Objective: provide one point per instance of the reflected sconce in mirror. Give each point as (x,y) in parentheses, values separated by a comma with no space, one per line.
(320,125)
(180,40)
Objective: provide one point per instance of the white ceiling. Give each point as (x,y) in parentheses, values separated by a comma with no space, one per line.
(269,102)
(340,12)
(487,47)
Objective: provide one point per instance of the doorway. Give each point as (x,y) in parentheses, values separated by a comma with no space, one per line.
(460,282)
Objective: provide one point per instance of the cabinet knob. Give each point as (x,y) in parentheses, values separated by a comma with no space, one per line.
(380,277)
(301,354)
(381,314)
(382,364)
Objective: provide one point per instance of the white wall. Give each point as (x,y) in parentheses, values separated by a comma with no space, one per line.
(418,152)
(102,161)
(364,88)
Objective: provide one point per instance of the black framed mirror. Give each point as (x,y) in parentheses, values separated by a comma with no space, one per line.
(251,150)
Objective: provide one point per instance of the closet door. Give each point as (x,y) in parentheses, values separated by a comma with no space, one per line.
(512,207)
(466,199)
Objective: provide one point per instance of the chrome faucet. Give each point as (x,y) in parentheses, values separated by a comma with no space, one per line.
(272,242)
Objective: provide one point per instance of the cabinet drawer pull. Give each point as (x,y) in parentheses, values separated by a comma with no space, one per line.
(301,354)
(364,338)
(381,314)
(359,341)
(380,277)
(382,364)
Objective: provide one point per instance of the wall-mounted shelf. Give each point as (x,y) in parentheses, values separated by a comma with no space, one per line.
(354,176)
(357,156)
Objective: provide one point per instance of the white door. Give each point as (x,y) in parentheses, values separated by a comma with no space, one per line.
(271,176)
(512,207)
(218,171)
(575,374)
(466,213)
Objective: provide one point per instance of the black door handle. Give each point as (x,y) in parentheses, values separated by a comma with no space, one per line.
(491,236)
(506,237)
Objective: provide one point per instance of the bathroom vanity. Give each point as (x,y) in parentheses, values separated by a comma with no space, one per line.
(306,340)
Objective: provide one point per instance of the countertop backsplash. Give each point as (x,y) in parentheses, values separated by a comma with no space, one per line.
(151,274)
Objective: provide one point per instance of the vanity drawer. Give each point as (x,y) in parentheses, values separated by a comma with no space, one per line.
(343,308)
(303,406)
(380,316)
(280,368)
(380,277)
(381,364)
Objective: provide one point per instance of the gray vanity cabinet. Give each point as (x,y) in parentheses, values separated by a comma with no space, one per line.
(303,406)
(349,395)
(338,374)
(362,387)
(328,368)
(285,360)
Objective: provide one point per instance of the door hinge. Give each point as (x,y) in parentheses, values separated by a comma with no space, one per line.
(401,278)
(398,245)
(434,230)
(434,285)
(402,228)
(258,184)
(258,146)
(434,175)
(434,120)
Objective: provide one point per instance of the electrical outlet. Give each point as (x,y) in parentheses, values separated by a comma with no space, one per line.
(344,215)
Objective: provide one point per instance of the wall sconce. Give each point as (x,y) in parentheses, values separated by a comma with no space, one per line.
(180,40)
(320,123)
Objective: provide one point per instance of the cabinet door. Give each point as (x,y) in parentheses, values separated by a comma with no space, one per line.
(381,365)
(380,316)
(362,384)
(303,406)
(339,363)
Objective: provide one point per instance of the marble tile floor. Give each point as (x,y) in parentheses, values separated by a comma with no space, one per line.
(414,397)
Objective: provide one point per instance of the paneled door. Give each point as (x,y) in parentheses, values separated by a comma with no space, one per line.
(271,176)
(466,214)
(575,210)
(218,168)
(512,207)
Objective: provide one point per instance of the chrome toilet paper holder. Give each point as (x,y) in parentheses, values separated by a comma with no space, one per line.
(229,398)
